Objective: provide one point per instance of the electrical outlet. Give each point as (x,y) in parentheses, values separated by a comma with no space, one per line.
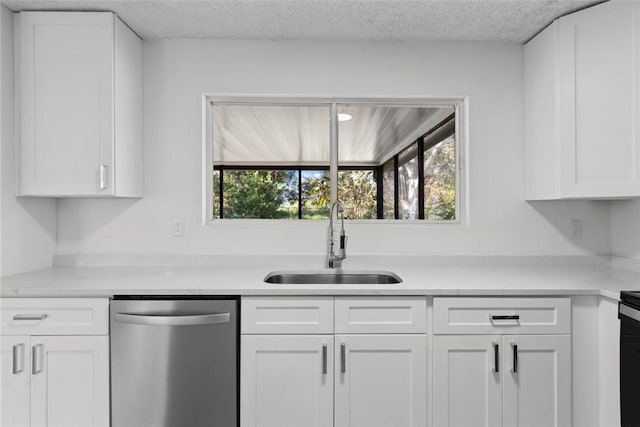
(576,229)
(178,227)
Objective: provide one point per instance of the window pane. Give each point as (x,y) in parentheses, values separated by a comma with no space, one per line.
(388,190)
(408,184)
(270,134)
(357,190)
(316,194)
(271,194)
(216,194)
(440,181)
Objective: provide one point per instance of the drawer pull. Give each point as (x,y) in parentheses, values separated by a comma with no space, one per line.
(29,316)
(513,317)
(18,358)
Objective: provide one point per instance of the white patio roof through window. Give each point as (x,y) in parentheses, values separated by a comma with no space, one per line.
(299,135)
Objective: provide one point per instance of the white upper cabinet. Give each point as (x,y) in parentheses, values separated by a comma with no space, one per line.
(79,105)
(582,105)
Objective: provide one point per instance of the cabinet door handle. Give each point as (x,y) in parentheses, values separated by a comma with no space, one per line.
(29,316)
(18,358)
(324,359)
(343,358)
(103,177)
(496,357)
(515,357)
(36,358)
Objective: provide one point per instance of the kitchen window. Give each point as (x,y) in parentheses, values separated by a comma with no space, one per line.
(270,159)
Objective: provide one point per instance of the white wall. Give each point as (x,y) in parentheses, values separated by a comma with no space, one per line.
(625,228)
(27,226)
(177,72)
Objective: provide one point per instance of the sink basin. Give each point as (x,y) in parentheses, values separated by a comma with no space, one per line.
(332,277)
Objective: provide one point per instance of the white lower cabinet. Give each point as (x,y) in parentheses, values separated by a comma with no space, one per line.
(301,374)
(55,381)
(70,381)
(509,381)
(467,390)
(14,381)
(59,379)
(537,381)
(287,380)
(381,381)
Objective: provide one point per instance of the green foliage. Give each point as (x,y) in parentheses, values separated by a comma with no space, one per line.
(316,195)
(259,193)
(273,194)
(440,181)
(356,191)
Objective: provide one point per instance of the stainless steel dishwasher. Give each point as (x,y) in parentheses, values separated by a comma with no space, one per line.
(174,362)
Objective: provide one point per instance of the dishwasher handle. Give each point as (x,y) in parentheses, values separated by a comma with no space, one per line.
(188,320)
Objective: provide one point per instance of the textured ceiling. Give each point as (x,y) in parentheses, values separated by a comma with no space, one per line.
(481,20)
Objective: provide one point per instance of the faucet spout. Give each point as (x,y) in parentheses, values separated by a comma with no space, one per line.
(335,260)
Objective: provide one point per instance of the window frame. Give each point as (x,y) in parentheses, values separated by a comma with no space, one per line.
(459,104)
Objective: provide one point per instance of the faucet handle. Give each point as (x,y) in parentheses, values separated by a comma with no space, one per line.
(342,252)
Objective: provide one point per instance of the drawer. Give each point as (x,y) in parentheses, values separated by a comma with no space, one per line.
(488,316)
(287,315)
(54,316)
(381,315)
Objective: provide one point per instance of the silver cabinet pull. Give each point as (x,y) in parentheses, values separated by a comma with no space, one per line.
(496,357)
(190,320)
(37,354)
(324,359)
(29,316)
(515,357)
(510,317)
(343,358)
(103,177)
(18,358)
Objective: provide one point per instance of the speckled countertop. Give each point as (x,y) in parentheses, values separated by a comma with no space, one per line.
(481,276)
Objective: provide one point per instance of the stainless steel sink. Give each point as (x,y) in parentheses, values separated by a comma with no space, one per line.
(332,277)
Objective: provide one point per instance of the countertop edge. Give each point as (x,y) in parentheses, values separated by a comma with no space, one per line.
(449,292)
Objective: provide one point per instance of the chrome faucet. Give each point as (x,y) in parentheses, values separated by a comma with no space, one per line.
(335,260)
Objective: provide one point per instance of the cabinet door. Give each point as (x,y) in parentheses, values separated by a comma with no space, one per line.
(599,71)
(14,381)
(381,381)
(66,89)
(286,381)
(70,381)
(467,375)
(537,381)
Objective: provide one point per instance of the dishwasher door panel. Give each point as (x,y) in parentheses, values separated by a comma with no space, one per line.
(174,363)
